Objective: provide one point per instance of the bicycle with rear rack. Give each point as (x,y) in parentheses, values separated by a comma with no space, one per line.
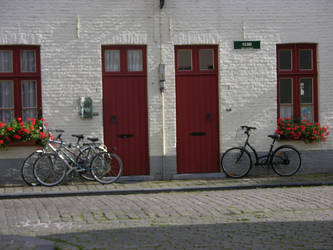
(236,162)
(92,161)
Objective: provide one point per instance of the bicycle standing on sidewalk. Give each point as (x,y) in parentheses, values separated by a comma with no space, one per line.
(236,162)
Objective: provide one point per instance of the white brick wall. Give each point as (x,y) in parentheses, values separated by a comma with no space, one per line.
(71,66)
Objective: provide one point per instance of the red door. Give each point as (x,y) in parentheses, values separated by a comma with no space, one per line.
(125,106)
(197,109)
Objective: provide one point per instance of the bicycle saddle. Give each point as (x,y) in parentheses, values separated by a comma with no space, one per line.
(247,127)
(81,136)
(275,136)
(92,139)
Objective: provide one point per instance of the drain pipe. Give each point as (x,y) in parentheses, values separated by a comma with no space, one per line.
(162,89)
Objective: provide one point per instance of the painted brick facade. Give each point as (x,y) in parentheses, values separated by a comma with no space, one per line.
(71,33)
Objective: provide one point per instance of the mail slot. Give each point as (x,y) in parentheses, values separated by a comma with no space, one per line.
(197,134)
(123,136)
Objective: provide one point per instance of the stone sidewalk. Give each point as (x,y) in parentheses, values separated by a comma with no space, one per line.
(141,187)
(70,188)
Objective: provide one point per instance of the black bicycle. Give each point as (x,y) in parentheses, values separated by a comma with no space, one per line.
(236,162)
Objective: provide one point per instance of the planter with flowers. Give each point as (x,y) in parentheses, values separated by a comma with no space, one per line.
(306,131)
(20,133)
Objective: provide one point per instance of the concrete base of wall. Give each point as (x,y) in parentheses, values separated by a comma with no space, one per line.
(318,161)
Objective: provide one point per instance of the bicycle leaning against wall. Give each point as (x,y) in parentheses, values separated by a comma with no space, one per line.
(236,162)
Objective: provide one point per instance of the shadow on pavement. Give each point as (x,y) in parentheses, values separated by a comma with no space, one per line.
(240,235)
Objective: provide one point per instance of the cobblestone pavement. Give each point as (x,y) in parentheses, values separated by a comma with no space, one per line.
(278,218)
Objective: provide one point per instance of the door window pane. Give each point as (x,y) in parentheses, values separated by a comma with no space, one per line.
(28,61)
(305,59)
(29,99)
(306,90)
(285,60)
(112,60)
(184,59)
(6,101)
(134,60)
(6,61)
(206,59)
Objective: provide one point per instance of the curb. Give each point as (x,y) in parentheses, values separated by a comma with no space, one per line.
(159,190)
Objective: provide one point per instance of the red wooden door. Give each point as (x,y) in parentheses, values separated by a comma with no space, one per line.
(197,109)
(125,106)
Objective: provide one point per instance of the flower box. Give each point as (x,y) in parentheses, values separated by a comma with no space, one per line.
(306,131)
(23,133)
(22,143)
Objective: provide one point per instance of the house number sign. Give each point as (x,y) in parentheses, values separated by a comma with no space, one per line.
(246,44)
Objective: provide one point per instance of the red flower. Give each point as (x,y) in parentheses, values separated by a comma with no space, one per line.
(17,137)
(2,141)
(19,119)
(9,129)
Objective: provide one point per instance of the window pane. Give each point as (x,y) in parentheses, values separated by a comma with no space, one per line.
(206,57)
(184,59)
(29,96)
(6,101)
(286,111)
(306,90)
(6,61)
(134,60)
(285,90)
(305,59)
(112,60)
(29,113)
(285,59)
(28,61)
(29,99)
(307,112)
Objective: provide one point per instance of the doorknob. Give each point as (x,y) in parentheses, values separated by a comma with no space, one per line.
(113,119)
(209,117)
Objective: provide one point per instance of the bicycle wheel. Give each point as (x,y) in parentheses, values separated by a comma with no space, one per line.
(106,167)
(49,169)
(286,160)
(236,162)
(84,159)
(27,169)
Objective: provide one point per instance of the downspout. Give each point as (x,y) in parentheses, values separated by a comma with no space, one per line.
(162,88)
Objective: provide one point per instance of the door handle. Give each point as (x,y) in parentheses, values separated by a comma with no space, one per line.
(209,117)
(114,119)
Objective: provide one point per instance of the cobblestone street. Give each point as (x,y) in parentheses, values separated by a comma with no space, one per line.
(279,218)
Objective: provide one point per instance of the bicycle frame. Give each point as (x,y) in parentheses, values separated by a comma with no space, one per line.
(257,157)
(67,156)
